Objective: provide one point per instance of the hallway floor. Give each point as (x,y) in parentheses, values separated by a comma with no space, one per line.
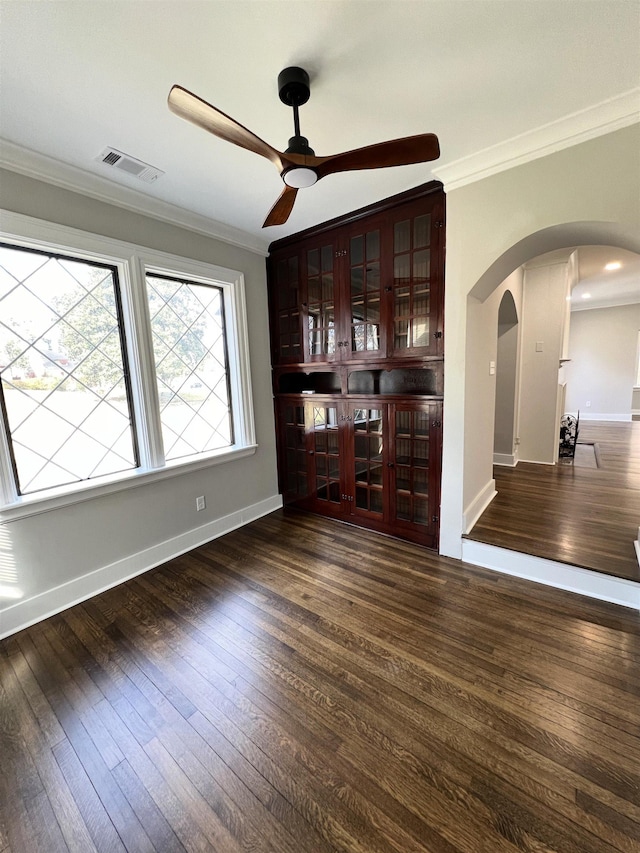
(583,516)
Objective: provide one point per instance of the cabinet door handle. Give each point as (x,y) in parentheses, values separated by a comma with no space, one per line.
(311,452)
(390,465)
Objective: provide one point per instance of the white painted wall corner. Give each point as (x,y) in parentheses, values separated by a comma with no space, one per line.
(29,611)
(478,505)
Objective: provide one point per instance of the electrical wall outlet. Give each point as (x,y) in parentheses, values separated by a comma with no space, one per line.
(200,503)
(588,404)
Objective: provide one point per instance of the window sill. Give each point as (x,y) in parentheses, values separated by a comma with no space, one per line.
(58,498)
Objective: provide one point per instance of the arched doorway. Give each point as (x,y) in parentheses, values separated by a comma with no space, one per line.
(506,367)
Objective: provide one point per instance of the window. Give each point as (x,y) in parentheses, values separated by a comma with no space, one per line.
(117,364)
(65,394)
(190,354)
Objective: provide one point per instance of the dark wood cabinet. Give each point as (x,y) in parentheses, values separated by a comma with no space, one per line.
(357,341)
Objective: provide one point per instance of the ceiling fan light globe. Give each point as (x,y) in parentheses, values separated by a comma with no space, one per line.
(299,177)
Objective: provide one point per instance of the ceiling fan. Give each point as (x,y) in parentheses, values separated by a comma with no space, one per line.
(298,165)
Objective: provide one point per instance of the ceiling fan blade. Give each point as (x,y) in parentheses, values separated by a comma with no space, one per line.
(280,211)
(192,108)
(395,152)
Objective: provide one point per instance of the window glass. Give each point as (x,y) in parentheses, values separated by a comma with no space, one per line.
(190,354)
(64,380)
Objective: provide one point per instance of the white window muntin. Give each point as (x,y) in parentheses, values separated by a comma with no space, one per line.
(132,263)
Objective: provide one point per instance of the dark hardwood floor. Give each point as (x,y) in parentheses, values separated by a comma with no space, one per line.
(302,686)
(587,517)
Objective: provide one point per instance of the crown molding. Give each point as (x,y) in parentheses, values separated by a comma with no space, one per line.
(597,120)
(593,305)
(32,164)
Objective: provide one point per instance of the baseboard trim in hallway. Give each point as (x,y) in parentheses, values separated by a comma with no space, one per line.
(551,573)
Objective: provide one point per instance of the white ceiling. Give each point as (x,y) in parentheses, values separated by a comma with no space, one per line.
(76,77)
(597,286)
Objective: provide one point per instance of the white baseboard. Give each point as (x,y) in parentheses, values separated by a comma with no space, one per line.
(26,612)
(478,505)
(551,573)
(604,416)
(508,459)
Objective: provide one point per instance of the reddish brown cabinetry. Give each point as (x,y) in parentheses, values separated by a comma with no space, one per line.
(357,346)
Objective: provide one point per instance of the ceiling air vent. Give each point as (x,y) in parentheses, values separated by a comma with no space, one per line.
(116,159)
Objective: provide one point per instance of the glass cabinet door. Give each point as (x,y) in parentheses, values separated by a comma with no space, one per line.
(415,445)
(321,307)
(293,452)
(364,288)
(411,445)
(287,321)
(325,457)
(415,321)
(368,471)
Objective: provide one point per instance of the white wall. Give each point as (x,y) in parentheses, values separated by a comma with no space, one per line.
(588,194)
(602,370)
(482,344)
(543,324)
(51,554)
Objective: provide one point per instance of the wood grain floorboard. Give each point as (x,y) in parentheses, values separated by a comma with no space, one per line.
(300,686)
(587,517)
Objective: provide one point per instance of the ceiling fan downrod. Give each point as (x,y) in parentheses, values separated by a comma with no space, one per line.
(294,91)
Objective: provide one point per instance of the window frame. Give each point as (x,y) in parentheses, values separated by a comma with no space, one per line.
(132,263)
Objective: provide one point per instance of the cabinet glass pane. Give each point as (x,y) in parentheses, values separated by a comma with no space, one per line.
(327,460)
(373,315)
(403,478)
(421,266)
(375,500)
(401,266)
(373,245)
(403,507)
(420,333)
(421,422)
(314,290)
(402,236)
(421,482)
(357,250)
(421,230)
(327,287)
(403,423)
(420,511)
(313,262)
(295,451)
(373,276)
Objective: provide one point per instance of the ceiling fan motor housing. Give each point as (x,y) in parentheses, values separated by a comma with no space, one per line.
(293,86)
(299,145)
